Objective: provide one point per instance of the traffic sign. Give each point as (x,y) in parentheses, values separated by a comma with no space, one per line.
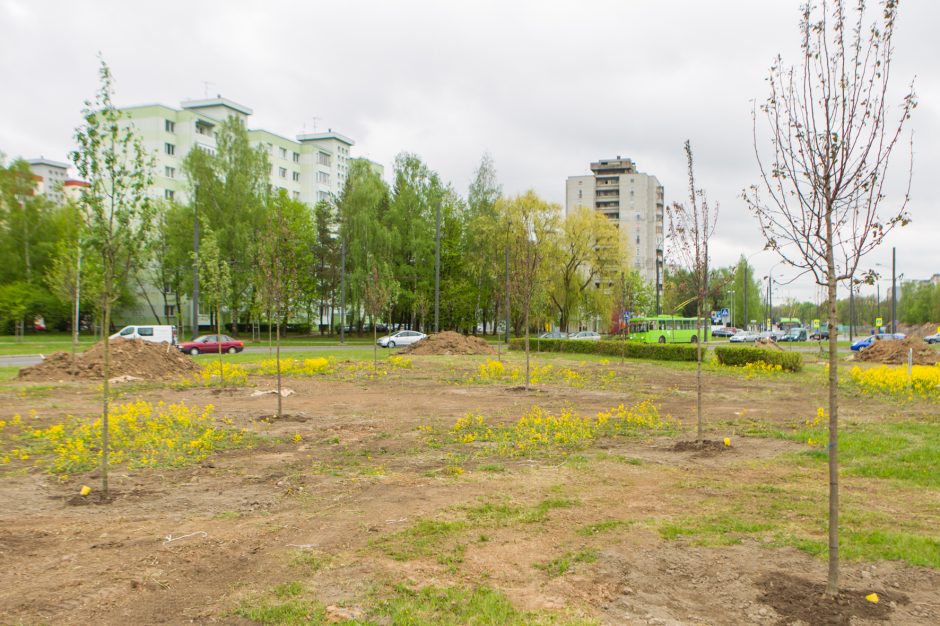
(879,322)
(626,316)
(816,324)
(725,312)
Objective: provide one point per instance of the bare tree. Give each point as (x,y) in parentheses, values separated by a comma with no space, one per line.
(831,139)
(690,229)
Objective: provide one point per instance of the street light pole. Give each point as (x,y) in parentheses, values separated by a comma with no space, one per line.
(894,291)
(437,272)
(508,226)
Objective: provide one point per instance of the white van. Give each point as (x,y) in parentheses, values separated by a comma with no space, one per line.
(155,334)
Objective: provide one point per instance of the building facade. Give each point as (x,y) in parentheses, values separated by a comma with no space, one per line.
(310,168)
(53,181)
(634,201)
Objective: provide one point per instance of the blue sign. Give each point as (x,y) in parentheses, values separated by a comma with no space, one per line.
(725,312)
(626,316)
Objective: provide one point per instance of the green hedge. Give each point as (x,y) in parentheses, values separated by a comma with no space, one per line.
(742,355)
(633,350)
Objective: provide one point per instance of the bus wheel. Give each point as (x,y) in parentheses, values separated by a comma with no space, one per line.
(694,339)
(662,339)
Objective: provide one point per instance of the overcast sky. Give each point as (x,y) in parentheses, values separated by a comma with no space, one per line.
(545,87)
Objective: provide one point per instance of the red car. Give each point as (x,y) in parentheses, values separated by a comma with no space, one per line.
(206,344)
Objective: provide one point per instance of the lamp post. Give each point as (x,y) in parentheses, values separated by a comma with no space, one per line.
(894,291)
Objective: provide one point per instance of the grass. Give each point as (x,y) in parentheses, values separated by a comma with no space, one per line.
(606,526)
(561,565)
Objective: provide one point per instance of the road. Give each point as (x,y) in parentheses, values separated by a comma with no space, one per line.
(25,360)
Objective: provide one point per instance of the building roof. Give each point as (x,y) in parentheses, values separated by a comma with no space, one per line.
(76,183)
(327,135)
(216,102)
(49,162)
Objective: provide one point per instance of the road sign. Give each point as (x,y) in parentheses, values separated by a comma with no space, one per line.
(770,323)
(879,322)
(725,312)
(626,316)
(816,324)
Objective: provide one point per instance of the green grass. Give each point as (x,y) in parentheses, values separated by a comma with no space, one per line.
(424,538)
(42,344)
(561,565)
(603,527)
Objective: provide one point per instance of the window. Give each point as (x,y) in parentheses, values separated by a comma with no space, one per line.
(169,126)
(127,331)
(296,177)
(169,171)
(323,177)
(323,158)
(296,157)
(283,153)
(637,240)
(203,129)
(169,310)
(145,331)
(579,193)
(638,217)
(169,149)
(168,194)
(296,195)
(282,172)
(323,196)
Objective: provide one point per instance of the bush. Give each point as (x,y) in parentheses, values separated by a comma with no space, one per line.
(739,356)
(656,351)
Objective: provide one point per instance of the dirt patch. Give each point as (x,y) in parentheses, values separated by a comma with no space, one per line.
(449,343)
(895,352)
(768,344)
(129,358)
(795,598)
(706,446)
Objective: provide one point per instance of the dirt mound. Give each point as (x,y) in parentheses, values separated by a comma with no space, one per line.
(129,357)
(768,344)
(449,342)
(795,599)
(895,352)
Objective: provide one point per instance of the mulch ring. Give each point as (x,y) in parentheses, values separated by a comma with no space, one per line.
(794,599)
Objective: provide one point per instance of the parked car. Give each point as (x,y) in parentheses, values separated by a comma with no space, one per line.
(724,331)
(795,334)
(156,334)
(401,338)
(744,336)
(866,342)
(586,334)
(555,334)
(819,335)
(932,338)
(207,344)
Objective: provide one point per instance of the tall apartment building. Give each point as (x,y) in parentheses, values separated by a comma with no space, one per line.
(634,201)
(311,168)
(53,181)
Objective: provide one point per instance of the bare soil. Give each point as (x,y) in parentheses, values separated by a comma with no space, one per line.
(450,343)
(129,357)
(190,545)
(896,352)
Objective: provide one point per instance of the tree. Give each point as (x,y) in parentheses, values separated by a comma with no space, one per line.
(831,140)
(483,240)
(746,300)
(590,252)
(378,294)
(690,230)
(216,280)
(117,211)
(533,224)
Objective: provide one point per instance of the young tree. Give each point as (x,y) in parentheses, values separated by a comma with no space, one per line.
(117,212)
(482,240)
(378,293)
(534,223)
(690,230)
(832,135)
(216,280)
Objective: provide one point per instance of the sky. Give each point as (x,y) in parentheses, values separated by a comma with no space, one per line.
(544,87)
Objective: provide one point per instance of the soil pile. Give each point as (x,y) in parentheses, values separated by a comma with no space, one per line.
(449,342)
(895,352)
(129,357)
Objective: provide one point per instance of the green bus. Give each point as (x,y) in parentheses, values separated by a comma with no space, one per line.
(665,329)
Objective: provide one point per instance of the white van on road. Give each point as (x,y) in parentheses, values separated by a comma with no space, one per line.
(156,334)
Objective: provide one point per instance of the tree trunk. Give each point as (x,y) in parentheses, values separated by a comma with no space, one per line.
(278,359)
(106,393)
(832,584)
(375,346)
(527,347)
(218,319)
(698,370)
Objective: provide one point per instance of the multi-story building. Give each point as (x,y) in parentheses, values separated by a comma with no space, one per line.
(311,168)
(634,201)
(52,180)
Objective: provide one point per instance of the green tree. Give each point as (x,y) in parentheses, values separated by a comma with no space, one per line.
(117,212)
(215,277)
(484,242)
(747,301)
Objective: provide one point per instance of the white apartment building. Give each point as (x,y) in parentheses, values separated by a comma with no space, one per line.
(311,168)
(53,181)
(634,201)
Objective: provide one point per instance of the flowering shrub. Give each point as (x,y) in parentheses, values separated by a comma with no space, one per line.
(235,375)
(540,430)
(496,372)
(924,381)
(329,366)
(294,367)
(742,355)
(141,434)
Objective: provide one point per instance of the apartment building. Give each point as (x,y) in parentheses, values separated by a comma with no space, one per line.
(634,201)
(53,181)
(310,168)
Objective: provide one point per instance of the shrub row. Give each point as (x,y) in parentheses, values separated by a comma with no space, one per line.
(657,351)
(742,355)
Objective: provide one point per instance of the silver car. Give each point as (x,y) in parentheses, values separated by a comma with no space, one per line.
(744,336)
(586,334)
(401,338)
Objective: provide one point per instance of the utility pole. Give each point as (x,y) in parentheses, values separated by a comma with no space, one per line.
(342,292)
(437,271)
(851,312)
(746,281)
(894,290)
(196,264)
(508,226)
